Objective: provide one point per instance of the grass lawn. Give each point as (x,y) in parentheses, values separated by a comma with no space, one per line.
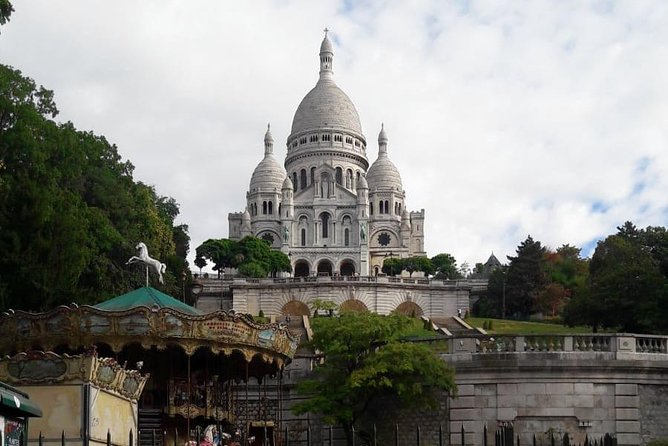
(505,326)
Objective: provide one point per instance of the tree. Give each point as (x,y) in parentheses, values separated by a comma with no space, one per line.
(418,263)
(253,257)
(525,278)
(365,360)
(70,211)
(393,266)
(6,10)
(445,267)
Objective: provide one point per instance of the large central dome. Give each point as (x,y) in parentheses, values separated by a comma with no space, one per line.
(326,106)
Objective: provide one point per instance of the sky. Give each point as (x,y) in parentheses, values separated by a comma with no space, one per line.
(505,119)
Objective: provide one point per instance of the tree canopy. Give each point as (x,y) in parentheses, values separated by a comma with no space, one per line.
(70,211)
(364,359)
(628,283)
(253,257)
(445,267)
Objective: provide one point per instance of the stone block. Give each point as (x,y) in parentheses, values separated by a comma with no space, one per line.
(488,415)
(485,389)
(532,389)
(506,413)
(626,389)
(506,389)
(550,412)
(511,401)
(586,413)
(584,400)
(583,388)
(604,389)
(462,402)
(465,390)
(559,388)
(627,414)
(464,414)
(485,401)
(604,401)
(626,401)
(628,439)
(628,426)
(470,426)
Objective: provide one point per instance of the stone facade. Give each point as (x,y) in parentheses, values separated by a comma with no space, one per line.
(326,207)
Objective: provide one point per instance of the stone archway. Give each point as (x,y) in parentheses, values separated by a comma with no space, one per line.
(353,306)
(295,308)
(409,309)
(302,268)
(347,268)
(325,268)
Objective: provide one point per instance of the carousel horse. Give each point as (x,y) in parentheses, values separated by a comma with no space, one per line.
(144,258)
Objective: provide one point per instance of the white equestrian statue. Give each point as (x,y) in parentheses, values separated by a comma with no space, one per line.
(148,261)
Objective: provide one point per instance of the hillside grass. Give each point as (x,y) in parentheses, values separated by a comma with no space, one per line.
(506,326)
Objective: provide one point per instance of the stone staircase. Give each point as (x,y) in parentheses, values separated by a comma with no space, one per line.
(454,325)
(150,427)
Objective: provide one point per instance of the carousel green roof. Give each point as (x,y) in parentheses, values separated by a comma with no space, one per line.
(146,297)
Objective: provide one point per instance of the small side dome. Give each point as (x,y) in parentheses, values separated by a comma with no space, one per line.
(326,45)
(362,183)
(383,174)
(287,183)
(269,174)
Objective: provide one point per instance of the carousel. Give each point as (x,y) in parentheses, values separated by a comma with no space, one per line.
(182,377)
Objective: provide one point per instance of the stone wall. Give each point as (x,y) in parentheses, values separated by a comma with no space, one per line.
(653,412)
(382,295)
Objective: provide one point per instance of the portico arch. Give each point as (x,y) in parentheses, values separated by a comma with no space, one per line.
(325,268)
(347,268)
(295,308)
(353,305)
(409,309)
(302,268)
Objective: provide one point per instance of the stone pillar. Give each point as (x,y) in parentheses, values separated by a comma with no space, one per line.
(627,414)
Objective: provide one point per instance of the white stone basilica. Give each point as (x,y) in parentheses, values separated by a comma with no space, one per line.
(326,208)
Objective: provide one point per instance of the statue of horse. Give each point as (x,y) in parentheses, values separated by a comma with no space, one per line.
(144,258)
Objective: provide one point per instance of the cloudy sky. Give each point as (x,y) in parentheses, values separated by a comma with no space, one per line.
(504,118)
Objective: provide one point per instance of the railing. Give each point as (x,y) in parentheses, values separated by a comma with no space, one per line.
(647,345)
(476,283)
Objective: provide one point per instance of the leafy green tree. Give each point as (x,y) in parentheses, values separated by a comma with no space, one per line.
(364,360)
(393,266)
(418,263)
(70,211)
(253,257)
(6,10)
(445,267)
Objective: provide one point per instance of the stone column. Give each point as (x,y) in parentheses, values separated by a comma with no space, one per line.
(627,414)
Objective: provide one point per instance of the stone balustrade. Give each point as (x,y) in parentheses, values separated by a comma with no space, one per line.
(610,342)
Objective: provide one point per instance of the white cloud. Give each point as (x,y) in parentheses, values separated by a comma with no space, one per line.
(504,118)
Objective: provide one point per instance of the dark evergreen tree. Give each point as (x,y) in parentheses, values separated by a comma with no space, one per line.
(525,278)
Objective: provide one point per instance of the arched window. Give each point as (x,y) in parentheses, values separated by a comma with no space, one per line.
(339,176)
(387,207)
(302,174)
(279,209)
(324,217)
(346,237)
(264,208)
(312,175)
(303,237)
(294,180)
(380,207)
(370,208)
(271,208)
